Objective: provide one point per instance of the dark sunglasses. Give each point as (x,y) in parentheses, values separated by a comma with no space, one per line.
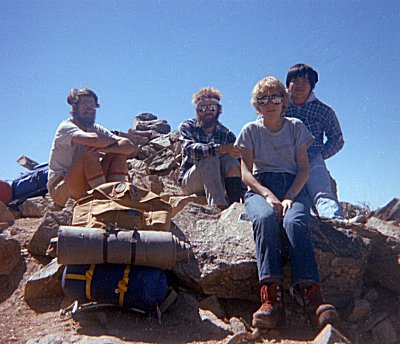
(263,101)
(210,107)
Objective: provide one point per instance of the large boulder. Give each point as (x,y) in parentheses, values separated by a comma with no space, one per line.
(223,263)
(10,253)
(383,263)
(48,229)
(45,283)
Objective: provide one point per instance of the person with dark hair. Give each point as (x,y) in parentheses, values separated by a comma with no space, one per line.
(84,155)
(274,166)
(210,164)
(321,120)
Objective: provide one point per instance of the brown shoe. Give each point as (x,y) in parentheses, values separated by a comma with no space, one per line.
(271,313)
(319,312)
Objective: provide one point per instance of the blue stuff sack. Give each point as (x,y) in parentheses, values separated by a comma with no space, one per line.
(30,184)
(127,286)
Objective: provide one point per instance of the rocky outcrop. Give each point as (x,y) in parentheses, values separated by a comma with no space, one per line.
(223,262)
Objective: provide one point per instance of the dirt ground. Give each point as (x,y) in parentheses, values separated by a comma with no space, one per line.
(42,322)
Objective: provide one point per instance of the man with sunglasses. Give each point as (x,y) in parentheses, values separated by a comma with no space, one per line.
(210,164)
(84,155)
(320,119)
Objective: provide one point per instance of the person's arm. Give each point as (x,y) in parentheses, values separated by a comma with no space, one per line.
(105,144)
(334,136)
(300,180)
(246,167)
(196,150)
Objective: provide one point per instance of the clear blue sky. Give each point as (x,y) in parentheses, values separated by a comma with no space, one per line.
(150,56)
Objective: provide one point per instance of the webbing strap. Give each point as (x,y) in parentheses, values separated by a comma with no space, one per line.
(123,286)
(88,276)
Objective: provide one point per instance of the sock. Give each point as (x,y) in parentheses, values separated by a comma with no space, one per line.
(117,176)
(96,180)
(233,187)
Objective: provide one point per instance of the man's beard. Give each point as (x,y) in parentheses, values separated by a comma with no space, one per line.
(205,122)
(85,121)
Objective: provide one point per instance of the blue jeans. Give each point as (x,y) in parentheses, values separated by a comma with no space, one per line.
(268,232)
(320,190)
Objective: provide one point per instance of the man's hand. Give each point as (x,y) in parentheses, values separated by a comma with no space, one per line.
(229,149)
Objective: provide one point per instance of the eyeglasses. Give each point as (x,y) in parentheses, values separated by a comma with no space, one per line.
(210,107)
(263,101)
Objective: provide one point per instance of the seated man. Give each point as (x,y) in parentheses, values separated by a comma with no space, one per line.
(84,155)
(210,164)
(320,120)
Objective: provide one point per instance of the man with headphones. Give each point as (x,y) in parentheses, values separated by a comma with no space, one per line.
(85,155)
(320,119)
(210,164)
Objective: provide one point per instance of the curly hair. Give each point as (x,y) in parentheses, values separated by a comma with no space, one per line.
(269,83)
(75,95)
(206,92)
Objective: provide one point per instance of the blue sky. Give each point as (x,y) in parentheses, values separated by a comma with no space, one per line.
(151,56)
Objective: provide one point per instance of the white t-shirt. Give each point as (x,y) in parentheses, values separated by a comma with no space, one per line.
(274,152)
(63,150)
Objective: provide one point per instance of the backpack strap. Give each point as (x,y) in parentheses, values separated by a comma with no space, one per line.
(88,276)
(123,286)
(169,300)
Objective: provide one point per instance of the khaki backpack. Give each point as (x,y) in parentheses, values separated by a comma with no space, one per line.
(122,205)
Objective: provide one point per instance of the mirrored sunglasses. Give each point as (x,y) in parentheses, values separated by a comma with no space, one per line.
(210,107)
(263,101)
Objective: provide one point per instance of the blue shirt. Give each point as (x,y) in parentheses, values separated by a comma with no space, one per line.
(320,119)
(196,144)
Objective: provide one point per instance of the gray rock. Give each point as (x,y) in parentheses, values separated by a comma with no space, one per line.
(384,332)
(222,260)
(6,216)
(160,126)
(137,166)
(342,257)
(360,310)
(34,207)
(390,212)
(162,163)
(10,253)
(146,152)
(330,335)
(138,140)
(145,116)
(48,229)
(161,142)
(212,304)
(383,264)
(45,283)
(237,325)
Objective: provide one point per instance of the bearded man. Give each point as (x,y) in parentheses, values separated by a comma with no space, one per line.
(84,155)
(210,164)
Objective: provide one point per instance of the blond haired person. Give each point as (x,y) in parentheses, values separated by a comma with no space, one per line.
(275,168)
(210,164)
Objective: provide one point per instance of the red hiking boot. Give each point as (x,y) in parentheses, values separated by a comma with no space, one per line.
(271,313)
(319,312)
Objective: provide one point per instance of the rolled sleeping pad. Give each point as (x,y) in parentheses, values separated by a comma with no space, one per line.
(82,245)
(126,286)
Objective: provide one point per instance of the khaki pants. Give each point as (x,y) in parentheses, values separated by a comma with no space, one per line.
(58,190)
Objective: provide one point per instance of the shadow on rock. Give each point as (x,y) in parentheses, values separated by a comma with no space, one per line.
(8,284)
(181,323)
